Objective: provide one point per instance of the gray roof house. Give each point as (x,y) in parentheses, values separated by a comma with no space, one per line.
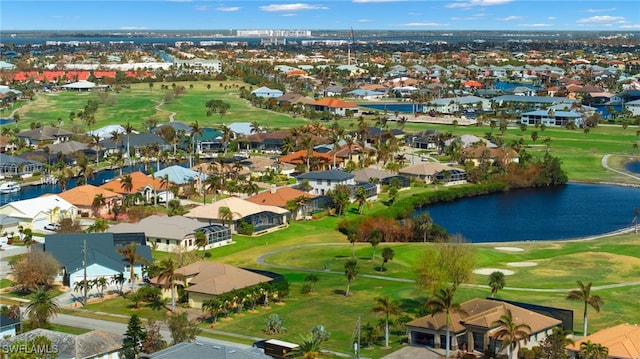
(47,134)
(103,259)
(167,234)
(202,350)
(323,181)
(267,92)
(94,344)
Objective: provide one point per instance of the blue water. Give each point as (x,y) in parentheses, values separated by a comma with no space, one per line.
(98,179)
(508,86)
(4,121)
(633,167)
(393,107)
(570,211)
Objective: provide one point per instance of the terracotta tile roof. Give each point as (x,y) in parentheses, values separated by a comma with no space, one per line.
(299,157)
(139,181)
(623,341)
(476,152)
(333,102)
(82,196)
(278,197)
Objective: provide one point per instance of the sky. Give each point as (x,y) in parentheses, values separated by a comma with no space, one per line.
(147,15)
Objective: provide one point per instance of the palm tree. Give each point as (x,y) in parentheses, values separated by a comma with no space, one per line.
(167,276)
(510,333)
(225,215)
(351,269)
(128,129)
(126,183)
(386,306)
(133,258)
(98,202)
(583,293)
(41,308)
(361,199)
(443,303)
(201,240)
(590,350)
(496,282)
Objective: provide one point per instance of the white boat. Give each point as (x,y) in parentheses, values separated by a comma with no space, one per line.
(9,187)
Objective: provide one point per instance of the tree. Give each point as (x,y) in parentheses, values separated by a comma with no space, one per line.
(386,307)
(34,270)
(553,346)
(387,255)
(226,215)
(312,279)
(133,338)
(424,223)
(41,308)
(101,283)
(153,342)
(361,199)
(275,325)
(375,237)
(351,269)
(444,263)
(589,350)
(182,329)
(201,240)
(496,282)
(583,293)
(168,276)
(510,333)
(133,258)
(118,279)
(443,303)
(310,345)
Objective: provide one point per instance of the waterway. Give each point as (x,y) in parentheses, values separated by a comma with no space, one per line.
(562,212)
(98,179)
(633,167)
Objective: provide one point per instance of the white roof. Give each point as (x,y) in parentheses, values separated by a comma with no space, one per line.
(82,84)
(30,208)
(239,207)
(105,132)
(174,227)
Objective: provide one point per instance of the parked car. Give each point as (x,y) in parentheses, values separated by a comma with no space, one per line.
(52,227)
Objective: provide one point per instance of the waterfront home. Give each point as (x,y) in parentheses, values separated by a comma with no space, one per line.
(96,344)
(102,256)
(180,175)
(431,172)
(35,213)
(474,328)
(175,233)
(380,177)
(529,102)
(336,106)
(456,104)
(481,154)
(281,197)
(44,135)
(16,166)
(205,280)
(145,185)
(552,118)
(83,198)
(320,182)
(232,211)
(135,142)
(316,160)
(623,342)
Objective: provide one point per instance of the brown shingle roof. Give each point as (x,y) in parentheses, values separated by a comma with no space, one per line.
(278,197)
(218,278)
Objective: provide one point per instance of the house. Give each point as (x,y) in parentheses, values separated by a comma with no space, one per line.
(260,166)
(633,106)
(203,350)
(8,326)
(336,106)
(292,98)
(333,90)
(102,257)
(474,329)
(174,233)
(135,142)
(204,280)
(323,181)
(552,118)
(316,160)
(35,213)
(82,197)
(180,175)
(267,92)
(468,140)
(266,141)
(140,183)
(490,155)
(623,342)
(372,175)
(366,94)
(96,344)
(281,196)
(264,218)
(44,135)
(431,172)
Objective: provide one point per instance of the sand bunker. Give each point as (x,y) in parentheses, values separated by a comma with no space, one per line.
(510,249)
(522,264)
(488,271)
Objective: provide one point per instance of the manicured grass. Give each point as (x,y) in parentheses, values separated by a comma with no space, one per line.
(69,330)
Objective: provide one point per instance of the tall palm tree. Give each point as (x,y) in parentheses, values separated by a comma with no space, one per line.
(132,257)
(496,282)
(98,202)
(583,293)
(387,307)
(510,333)
(201,240)
(351,270)
(226,215)
(128,129)
(116,137)
(167,276)
(443,303)
(41,308)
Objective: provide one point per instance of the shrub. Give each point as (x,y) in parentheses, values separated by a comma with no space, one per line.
(246,228)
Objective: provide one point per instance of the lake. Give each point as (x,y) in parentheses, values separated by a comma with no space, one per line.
(633,167)
(561,212)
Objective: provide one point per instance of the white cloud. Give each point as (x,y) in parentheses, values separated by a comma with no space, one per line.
(469,18)
(601,10)
(601,20)
(132,28)
(364,20)
(423,24)
(510,18)
(228,9)
(414,14)
(551,18)
(289,14)
(292,7)
(630,26)
(202,7)
(535,25)
(471,3)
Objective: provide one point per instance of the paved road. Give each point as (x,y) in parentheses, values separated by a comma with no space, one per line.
(605,159)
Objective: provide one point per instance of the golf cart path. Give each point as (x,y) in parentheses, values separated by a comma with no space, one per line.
(605,158)
(262,261)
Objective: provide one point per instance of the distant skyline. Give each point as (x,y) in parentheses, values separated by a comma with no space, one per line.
(149,15)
